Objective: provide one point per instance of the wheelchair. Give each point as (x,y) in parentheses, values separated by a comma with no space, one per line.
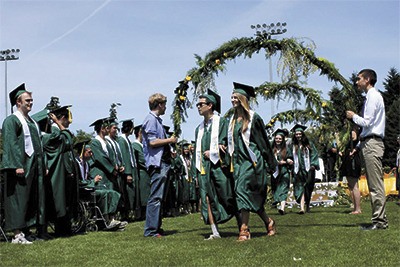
(89,218)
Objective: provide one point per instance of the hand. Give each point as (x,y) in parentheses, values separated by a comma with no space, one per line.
(349,114)
(207,154)
(121,169)
(222,148)
(97,178)
(289,161)
(312,168)
(20,172)
(282,162)
(129,179)
(173,140)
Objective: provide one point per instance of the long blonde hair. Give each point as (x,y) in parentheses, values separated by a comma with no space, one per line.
(242,110)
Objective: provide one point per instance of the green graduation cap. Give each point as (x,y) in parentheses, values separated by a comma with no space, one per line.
(81,145)
(136,129)
(42,119)
(298,128)
(100,122)
(243,89)
(282,132)
(14,94)
(213,98)
(184,143)
(128,123)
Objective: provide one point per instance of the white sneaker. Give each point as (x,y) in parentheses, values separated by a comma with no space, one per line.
(211,237)
(113,224)
(20,239)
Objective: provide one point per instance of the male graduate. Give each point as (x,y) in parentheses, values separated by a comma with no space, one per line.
(143,175)
(129,178)
(103,164)
(62,181)
(106,199)
(23,168)
(211,165)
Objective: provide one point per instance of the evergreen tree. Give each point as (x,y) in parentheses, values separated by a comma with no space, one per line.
(391,97)
(392,88)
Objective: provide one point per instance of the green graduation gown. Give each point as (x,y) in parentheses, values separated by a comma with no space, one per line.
(102,164)
(282,181)
(62,181)
(23,197)
(144,178)
(131,191)
(303,181)
(250,179)
(215,181)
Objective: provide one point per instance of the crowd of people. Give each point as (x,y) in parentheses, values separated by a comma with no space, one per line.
(223,173)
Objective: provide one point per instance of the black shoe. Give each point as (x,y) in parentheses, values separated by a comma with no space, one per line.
(374,227)
(45,236)
(281,212)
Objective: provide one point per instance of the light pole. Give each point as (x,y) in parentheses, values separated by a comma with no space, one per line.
(265,31)
(7,55)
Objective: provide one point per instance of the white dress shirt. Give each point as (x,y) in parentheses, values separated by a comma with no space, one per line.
(374,118)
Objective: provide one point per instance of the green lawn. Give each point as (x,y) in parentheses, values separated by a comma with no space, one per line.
(324,237)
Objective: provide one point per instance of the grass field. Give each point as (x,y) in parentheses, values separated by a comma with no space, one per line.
(324,237)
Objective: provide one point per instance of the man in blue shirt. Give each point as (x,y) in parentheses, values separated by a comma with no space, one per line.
(156,148)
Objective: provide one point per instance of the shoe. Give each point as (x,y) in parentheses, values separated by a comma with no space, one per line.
(301,212)
(244,235)
(122,224)
(374,227)
(20,239)
(281,212)
(113,224)
(161,231)
(211,237)
(271,229)
(158,235)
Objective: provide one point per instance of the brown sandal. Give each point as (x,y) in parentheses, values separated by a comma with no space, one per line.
(271,229)
(244,235)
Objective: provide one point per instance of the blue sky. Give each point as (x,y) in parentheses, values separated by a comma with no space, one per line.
(94,53)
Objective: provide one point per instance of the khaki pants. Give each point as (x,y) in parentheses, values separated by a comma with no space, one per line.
(372,152)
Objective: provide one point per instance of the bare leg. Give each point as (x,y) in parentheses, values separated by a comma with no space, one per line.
(244,229)
(214,227)
(355,194)
(302,204)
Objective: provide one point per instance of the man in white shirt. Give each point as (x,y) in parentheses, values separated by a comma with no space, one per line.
(371,145)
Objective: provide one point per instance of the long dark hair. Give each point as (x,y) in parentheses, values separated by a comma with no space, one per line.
(304,142)
(283,147)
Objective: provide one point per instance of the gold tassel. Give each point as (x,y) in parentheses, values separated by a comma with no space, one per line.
(202,170)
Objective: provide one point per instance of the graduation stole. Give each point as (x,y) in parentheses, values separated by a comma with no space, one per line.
(277,157)
(131,156)
(115,147)
(214,149)
(185,165)
(245,136)
(103,144)
(306,157)
(27,134)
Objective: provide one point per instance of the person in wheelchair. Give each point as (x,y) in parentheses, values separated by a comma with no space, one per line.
(106,199)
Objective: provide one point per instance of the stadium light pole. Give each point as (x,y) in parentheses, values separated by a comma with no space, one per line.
(265,31)
(7,55)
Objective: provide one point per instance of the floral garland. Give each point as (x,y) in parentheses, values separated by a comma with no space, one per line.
(297,60)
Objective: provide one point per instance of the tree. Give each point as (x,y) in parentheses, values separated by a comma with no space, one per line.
(391,132)
(391,97)
(392,88)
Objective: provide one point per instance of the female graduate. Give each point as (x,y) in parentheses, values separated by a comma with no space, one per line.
(252,160)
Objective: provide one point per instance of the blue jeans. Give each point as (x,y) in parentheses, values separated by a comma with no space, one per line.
(153,211)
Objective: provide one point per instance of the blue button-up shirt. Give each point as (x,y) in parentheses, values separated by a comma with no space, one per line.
(152,129)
